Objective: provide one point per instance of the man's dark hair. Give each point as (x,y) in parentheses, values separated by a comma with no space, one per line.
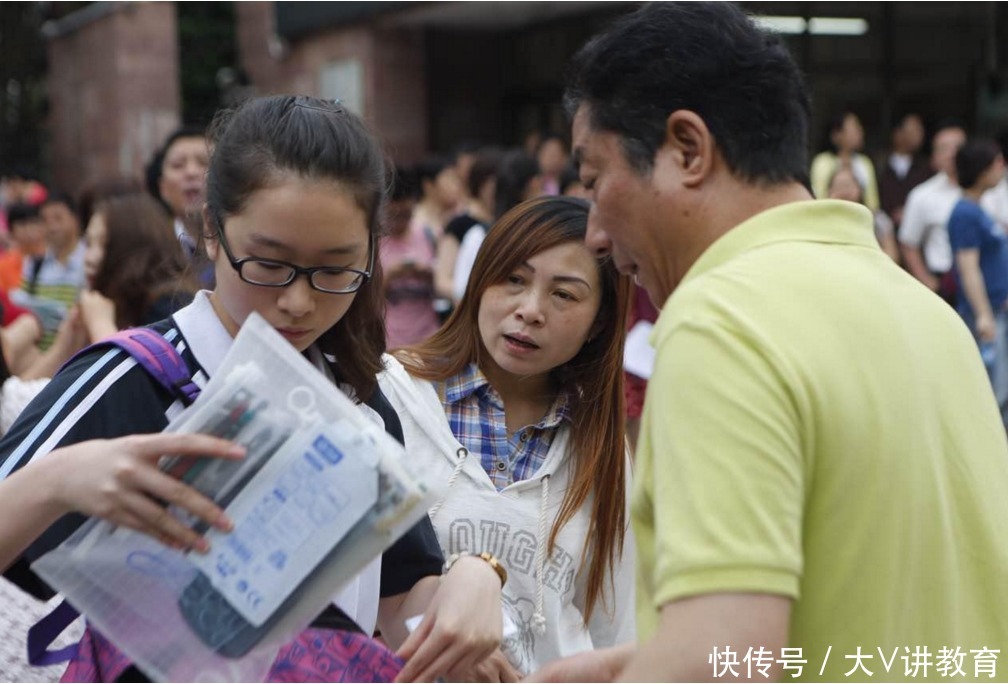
(973,158)
(709,58)
(22,211)
(60,197)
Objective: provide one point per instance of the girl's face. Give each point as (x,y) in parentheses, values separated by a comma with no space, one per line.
(95,241)
(541,315)
(303,222)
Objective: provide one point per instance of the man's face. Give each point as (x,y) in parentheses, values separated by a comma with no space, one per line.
(626,219)
(62,225)
(944,147)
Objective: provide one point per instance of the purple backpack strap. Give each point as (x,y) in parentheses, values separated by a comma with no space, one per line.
(157,356)
(44,632)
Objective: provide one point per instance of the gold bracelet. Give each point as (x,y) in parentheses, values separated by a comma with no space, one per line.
(488,557)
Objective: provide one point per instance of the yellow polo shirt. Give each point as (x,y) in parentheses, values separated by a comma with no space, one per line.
(819,425)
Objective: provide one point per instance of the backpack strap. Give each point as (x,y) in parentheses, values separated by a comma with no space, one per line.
(43,633)
(157,356)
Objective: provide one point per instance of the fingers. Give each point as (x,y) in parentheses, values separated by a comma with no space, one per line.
(413,641)
(409,651)
(185,444)
(507,672)
(143,515)
(167,489)
(430,661)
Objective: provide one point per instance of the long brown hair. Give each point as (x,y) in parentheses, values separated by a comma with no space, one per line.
(593,378)
(143,261)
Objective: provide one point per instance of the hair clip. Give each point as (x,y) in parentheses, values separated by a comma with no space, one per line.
(336,103)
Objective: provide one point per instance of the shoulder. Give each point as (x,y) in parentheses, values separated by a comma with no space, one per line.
(459,225)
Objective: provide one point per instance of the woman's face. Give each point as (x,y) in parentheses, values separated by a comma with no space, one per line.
(844,186)
(541,315)
(850,137)
(183,176)
(448,188)
(303,222)
(95,241)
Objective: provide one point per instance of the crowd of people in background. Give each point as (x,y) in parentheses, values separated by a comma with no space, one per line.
(439,212)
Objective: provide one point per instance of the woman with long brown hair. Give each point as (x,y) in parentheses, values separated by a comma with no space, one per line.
(136,273)
(517,402)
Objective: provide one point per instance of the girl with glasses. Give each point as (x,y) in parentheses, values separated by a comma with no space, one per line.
(295,188)
(516,403)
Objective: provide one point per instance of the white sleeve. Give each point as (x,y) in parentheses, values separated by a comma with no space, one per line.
(468,250)
(914,225)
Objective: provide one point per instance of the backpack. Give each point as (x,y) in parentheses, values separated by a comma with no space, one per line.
(316,655)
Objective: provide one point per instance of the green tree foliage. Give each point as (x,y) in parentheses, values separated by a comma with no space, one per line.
(206,45)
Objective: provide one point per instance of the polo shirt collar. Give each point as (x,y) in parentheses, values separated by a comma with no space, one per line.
(821,220)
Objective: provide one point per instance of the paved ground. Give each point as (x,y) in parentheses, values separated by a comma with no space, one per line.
(18,612)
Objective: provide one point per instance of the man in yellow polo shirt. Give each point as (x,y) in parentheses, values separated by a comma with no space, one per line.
(822,474)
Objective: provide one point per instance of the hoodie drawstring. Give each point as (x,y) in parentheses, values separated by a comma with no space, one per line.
(461,455)
(539,617)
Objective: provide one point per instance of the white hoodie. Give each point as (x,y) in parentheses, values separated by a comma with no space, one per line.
(544,597)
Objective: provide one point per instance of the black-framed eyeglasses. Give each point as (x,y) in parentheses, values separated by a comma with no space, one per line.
(275,273)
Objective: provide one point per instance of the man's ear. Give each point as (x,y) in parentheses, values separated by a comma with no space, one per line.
(210,242)
(691,145)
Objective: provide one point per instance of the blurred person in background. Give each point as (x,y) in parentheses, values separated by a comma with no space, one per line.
(980,247)
(518,179)
(407,260)
(553,158)
(441,194)
(845,140)
(923,234)
(449,278)
(135,277)
(50,283)
(903,168)
(27,240)
(844,186)
(178,172)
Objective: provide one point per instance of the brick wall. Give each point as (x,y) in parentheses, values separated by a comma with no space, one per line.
(114,92)
(391,63)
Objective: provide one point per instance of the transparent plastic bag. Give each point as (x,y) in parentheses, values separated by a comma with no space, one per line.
(322,491)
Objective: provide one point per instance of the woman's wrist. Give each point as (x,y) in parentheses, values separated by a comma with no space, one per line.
(485,558)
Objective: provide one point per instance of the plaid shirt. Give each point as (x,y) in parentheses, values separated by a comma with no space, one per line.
(476,416)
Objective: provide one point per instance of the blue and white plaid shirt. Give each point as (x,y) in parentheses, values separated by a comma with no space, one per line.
(476,416)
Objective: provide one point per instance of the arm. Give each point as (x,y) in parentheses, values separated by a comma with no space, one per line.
(968,263)
(915,264)
(99,315)
(71,337)
(117,480)
(871,193)
(911,238)
(461,623)
(690,629)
